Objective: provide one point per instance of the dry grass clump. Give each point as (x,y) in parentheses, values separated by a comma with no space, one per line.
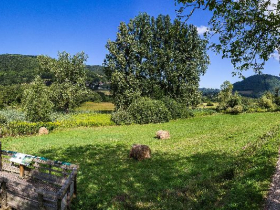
(43,131)
(161,134)
(140,152)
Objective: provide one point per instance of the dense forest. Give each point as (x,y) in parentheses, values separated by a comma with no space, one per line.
(256,85)
(19,69)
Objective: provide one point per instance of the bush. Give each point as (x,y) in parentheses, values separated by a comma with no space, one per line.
(36,103)
(209,103)
(90,95)
(122,117)
(237,109)
(13,115)
(145,110)
(3,119)
(177,110)
(266,103)
(26,128)
(202,112)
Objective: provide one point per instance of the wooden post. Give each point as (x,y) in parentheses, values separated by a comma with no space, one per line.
(21,171)
(75,186)
(41,201)
(59,201)
(4,195)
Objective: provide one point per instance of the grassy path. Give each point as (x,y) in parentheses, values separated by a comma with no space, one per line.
(212,162)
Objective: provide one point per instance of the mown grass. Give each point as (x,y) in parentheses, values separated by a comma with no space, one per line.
(92,106)
(210,162)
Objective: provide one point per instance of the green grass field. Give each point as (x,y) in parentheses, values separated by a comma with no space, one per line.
(210,162)
(92,106)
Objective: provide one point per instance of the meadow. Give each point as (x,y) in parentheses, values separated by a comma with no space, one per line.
(211,162)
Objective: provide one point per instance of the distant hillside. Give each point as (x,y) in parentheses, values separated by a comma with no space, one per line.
(255,86)
(18,69)
(15,69)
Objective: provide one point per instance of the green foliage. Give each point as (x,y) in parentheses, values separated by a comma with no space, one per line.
(266,102)
(16,128)
(122,117)
(36,103)
(202,112)
(255,86)
(209,103)
(234,100)
(90,95)
(230,103)
(13,115)
(17,69)
(11,95)
(146,110)
(153,57)
(69,79)
(209,94)
(211,162)
(3,119)
(125,89)
(26,128)
(247,30)
(176,109)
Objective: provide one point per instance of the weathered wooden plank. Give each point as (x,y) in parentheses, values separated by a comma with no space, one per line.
(52,179)
(25,204)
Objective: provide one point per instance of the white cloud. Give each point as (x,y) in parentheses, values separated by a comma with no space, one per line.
(201,29)
(275,55)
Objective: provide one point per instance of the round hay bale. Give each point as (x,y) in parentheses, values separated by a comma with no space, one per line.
(43,131)
(161,134)
(140,152)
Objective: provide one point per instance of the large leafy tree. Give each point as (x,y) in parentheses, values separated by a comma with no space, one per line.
(69,78)
(248,30)
(155,57)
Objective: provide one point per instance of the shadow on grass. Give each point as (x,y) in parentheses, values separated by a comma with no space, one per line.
(108,179)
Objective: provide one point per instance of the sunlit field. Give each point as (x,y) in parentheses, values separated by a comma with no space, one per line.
(210,162)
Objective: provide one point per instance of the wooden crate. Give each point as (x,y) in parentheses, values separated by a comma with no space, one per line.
(43,184)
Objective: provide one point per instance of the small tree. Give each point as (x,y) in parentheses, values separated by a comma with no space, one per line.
(69,78)
(226,92)
(36,101)
(228,100)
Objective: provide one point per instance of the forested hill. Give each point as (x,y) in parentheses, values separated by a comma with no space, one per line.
(255,86)
(18,69)
(15,69)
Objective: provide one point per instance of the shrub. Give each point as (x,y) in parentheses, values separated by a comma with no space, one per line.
(266,103)
(202,112)
(237,109)
(177,110)
(234,100)
(36,103)
(26,128)
(209,103)
(122,117)
(3,119)
(13,115)
(146,110)
(90,95)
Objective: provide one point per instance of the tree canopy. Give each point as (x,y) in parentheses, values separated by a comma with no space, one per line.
(69,78)
(154,57)
(248,30)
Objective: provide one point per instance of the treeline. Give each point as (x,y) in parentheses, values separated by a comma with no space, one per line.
(22,69)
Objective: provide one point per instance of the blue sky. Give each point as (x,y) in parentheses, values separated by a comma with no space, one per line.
(35,27)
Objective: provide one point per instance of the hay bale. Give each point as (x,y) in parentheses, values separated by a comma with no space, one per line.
(161,134)
(43,131)
(140,152)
